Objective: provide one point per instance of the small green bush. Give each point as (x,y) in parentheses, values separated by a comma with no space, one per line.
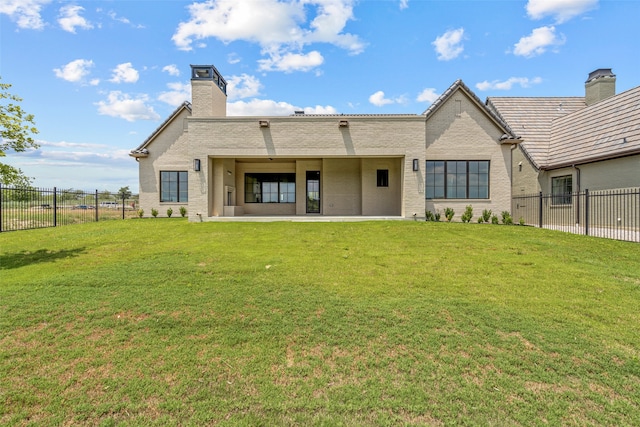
(480,221)
(428,216)
(468,214)
(437,216)
(449,213)
(154,212)
(494,219)
(169,212)
(140,213)
(506,218)
(183,211)
(521,221)
(486,215)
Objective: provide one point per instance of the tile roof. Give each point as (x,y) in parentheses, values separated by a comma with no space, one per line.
(604,130)
(532,119)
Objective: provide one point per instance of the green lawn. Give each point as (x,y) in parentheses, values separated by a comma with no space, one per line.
(164,322)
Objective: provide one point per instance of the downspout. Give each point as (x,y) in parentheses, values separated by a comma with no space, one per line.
(578,193)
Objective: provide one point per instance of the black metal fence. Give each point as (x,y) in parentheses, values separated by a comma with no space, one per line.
(28,208)
(612,214)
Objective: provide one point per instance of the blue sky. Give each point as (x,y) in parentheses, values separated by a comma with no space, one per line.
(101,76)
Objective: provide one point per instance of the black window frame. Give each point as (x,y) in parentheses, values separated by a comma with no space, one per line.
(181,190)
(458,179)
(270,184)
(382,177)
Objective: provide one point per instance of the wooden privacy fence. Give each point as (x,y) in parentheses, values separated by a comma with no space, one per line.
(28,208)
(612,214)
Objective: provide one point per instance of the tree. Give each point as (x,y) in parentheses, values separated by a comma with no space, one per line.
(16,128)
(124,193)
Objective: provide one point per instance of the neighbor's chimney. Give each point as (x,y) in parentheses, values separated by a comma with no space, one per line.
(600,85)
(208,92)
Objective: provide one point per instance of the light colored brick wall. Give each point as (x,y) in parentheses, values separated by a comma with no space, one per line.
(207,99)
(342,187)
(385,201)
(460,130)
(168,152)
(525,175)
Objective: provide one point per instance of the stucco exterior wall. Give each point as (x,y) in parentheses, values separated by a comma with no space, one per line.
(461,130)
(169,152)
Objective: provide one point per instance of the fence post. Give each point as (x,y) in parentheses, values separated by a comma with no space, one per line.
(586,212)
(55,207)
(96,205)
(540,211)
(123,205)
(1,207)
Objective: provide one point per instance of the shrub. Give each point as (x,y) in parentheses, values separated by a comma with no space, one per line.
(183,211)
(506,218)
(486,215)
(494,219)
(437,216)
(140,213)
(480,221)
(521,221)
(468,214)
(169,212)
(449,213)
(154,212)
(428,216)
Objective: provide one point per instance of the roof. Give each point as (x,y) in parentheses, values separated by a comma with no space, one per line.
(459,85)
(604,130)
(142,151)
(532,118)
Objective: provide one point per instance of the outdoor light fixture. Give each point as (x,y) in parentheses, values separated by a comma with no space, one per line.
(343,123)
(196,165)
(263,123)
(416,165)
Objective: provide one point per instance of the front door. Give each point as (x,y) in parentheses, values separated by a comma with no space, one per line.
(313,191)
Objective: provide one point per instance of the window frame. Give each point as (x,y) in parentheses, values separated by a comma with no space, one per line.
(564,198)
(280,188)
(382,178)
(458,179)
(182,186)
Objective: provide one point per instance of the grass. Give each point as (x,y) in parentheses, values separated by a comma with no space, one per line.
(164,322)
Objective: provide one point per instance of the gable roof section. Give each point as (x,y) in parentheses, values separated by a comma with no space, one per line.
(459,85)
(532,119)
(605,130)
(141,150)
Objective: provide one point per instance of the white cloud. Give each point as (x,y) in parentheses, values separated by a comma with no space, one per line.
(70,18)
(404,4)
(427,95)
(74,71)
(291,62)
(266,107)
(124,73)
(243,86)
(172,69)
(26,13)
(179,93)
(449,45)
(378,99)
(280,28)
(537,42)
(508,84)
(233,58)
(121,105)
(561,10)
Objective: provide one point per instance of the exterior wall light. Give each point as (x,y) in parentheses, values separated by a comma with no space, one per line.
(416,165)
(343,123)
(196,165)
(263,123)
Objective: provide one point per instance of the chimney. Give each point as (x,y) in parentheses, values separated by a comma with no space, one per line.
(600,85)
(208,92)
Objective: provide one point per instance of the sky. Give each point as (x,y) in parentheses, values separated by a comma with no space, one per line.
(101,76)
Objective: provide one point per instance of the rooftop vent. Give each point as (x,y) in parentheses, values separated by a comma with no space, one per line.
(600,72)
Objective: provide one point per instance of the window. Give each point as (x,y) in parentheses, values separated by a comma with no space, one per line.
(382,177)
(561,188)
(457,179)
(270,188)
(174,186)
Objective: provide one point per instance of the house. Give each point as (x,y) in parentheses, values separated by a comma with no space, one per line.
(575,143)
(459,152)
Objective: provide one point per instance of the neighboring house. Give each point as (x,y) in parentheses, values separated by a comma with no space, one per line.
(577,143)
(457,153)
